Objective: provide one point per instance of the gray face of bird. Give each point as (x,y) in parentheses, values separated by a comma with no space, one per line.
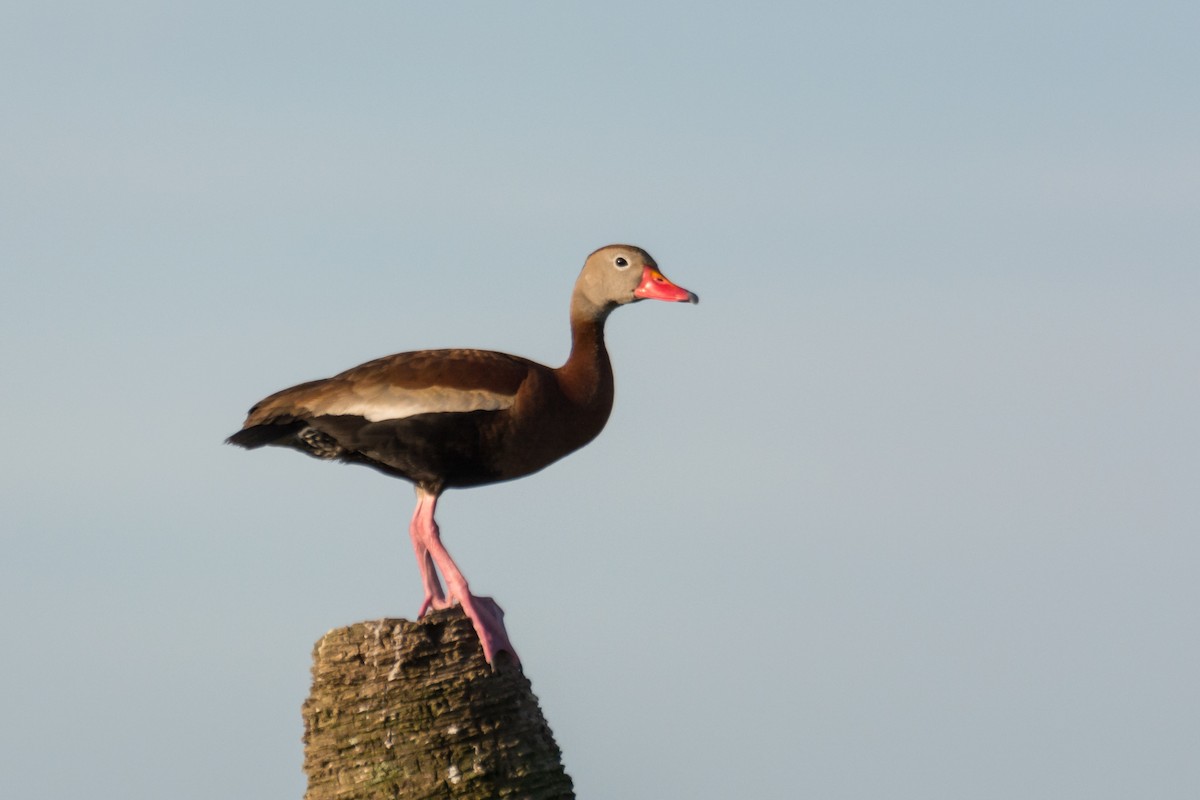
(620,274)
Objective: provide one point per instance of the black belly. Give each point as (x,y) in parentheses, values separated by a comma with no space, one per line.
(434,450)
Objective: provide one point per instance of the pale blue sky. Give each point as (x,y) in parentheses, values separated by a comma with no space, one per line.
(906,508)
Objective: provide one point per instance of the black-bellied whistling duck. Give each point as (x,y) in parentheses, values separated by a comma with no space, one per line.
(451,418)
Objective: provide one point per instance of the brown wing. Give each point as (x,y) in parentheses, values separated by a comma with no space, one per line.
(404,385)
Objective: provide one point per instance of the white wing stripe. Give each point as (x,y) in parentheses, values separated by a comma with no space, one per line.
(398,404)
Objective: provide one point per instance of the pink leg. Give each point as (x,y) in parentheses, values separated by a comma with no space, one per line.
(434,596)
(485,614)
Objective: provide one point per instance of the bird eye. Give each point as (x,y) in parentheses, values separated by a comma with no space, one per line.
(621,262)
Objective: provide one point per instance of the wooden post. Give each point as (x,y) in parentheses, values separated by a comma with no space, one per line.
(403,709)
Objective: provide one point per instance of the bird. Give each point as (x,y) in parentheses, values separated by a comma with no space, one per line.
(457,418)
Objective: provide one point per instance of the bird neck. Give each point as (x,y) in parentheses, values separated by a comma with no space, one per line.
(587,377)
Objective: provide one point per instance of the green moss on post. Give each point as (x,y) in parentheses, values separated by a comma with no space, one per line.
(403,709)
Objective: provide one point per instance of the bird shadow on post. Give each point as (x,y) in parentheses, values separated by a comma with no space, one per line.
(403,709)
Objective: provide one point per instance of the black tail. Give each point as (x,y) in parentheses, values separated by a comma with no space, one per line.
(261,435)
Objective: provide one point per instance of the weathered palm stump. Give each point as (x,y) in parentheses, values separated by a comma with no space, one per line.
(403,709)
